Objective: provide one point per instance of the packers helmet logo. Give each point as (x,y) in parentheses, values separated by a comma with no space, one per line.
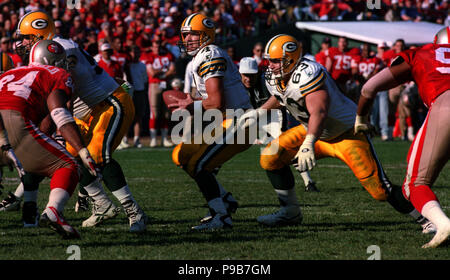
(208,23)
(39,23)
(54,48)
(290,47)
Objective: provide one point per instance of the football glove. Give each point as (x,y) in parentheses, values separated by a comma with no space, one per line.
(13,160)
(250,118)
(362,125)
(305,155)
(88,162)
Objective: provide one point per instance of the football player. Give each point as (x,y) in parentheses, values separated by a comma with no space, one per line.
(326,116)
(103,111)
(219,84)
(429,67)
(26,93)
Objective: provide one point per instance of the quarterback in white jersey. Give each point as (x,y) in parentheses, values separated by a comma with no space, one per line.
(327,118)
(212,61)
(218,82)
(104,112)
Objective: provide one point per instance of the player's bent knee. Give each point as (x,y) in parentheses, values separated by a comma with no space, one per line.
(65,178)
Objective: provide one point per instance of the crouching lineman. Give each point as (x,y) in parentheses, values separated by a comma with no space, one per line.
(103,111)
(429,68)
(27,94)
(326,117)
(219,84)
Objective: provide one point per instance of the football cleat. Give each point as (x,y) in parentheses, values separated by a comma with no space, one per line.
(52,218)
(230,204)
(287,215)
(428,228)
(10,203)
(137,218)
(153,143)
(82,203)
(311,187)
(218,222)
(442,234)
(167,143)
(101,211)
(30,214)
(137,144)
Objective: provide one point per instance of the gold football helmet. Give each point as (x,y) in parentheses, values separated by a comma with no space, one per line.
(287,50)
(32,27)
(197,24)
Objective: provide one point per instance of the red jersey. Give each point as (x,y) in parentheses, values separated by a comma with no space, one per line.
(321,57)
(367,66)
(26,89)
(113,68)
(389,56)
(341,68)
(158,61)
(430,69)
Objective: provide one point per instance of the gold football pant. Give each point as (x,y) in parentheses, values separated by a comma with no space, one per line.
(108,122)
(353,150)
(206,157)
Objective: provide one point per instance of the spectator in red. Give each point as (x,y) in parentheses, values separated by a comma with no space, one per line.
(105,33)
(6,48)
(160,68)
(258,50)
(330,10)
(119,55)
(321,56)
(119,31)
(111,67)
(394,93)
(339,63)
(77,27)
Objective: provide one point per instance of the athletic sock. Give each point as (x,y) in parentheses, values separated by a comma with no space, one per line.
(58,199)
(19,191)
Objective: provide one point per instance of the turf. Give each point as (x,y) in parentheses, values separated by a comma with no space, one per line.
(340,222)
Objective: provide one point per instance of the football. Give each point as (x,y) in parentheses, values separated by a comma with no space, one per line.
(171,96)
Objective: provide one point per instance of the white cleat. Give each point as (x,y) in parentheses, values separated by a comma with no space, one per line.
(287,215)
(218,222)
(428,228)
(53,219)
(153,142)
(167,143)
(230,204)
(137,218)
(101,211)
(440,237)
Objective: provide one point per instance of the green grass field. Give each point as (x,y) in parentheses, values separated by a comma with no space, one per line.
(340,222)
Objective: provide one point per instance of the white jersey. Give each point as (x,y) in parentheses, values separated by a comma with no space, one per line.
(92,83)
(212,61)
(307,78)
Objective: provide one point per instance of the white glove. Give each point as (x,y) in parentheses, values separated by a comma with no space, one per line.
(362,125)
(250,118)
(305,156)
(88,162)
(13,159)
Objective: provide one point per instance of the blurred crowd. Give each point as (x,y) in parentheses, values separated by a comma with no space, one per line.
(121,34)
